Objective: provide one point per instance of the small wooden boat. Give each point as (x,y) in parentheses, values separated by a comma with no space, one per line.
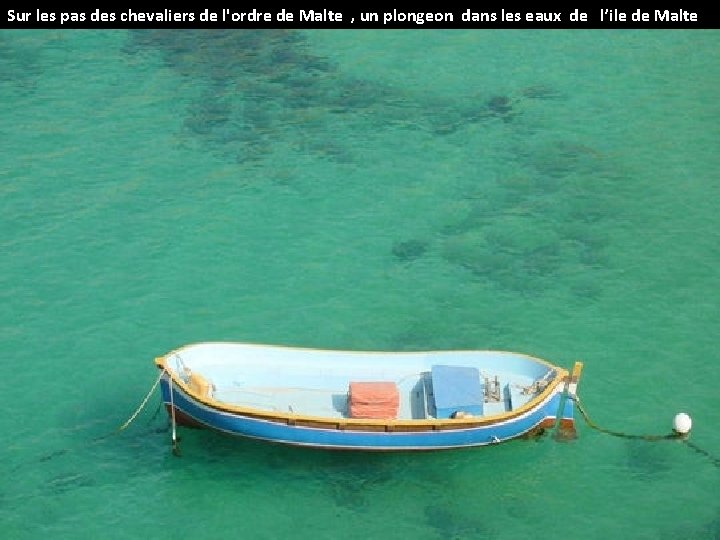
(366,400)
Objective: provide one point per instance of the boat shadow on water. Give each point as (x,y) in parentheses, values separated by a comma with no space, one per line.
(352,480)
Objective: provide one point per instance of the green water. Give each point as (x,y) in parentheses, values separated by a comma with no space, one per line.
(550,192)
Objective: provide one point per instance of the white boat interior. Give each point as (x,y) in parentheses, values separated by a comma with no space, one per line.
(314,382)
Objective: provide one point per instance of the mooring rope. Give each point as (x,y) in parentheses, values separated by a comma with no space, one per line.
(593,425)
(101,438)
(670,436)
(133,415)
(713,459)
(144,402)
(175,439)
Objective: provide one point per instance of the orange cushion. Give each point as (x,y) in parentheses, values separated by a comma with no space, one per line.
(373,400)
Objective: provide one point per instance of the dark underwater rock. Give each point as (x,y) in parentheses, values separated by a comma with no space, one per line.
(500,105)
(409,250)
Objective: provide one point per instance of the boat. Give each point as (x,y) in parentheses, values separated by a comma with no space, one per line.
(366,400)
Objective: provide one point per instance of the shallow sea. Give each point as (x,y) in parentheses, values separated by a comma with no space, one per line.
(549,192)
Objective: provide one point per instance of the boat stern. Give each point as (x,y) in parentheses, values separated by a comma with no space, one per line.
(566,425)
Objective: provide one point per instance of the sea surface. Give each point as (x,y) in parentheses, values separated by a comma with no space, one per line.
(549,192)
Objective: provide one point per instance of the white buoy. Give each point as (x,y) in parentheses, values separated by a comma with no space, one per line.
(682,423)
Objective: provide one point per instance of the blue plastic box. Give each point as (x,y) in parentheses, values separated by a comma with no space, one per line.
(457,389)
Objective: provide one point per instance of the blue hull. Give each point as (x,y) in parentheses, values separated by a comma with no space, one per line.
(237,424)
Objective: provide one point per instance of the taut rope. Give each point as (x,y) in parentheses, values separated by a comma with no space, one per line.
(116,431)
(144,402)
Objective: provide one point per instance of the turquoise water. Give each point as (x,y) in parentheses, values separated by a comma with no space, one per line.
(550,192)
